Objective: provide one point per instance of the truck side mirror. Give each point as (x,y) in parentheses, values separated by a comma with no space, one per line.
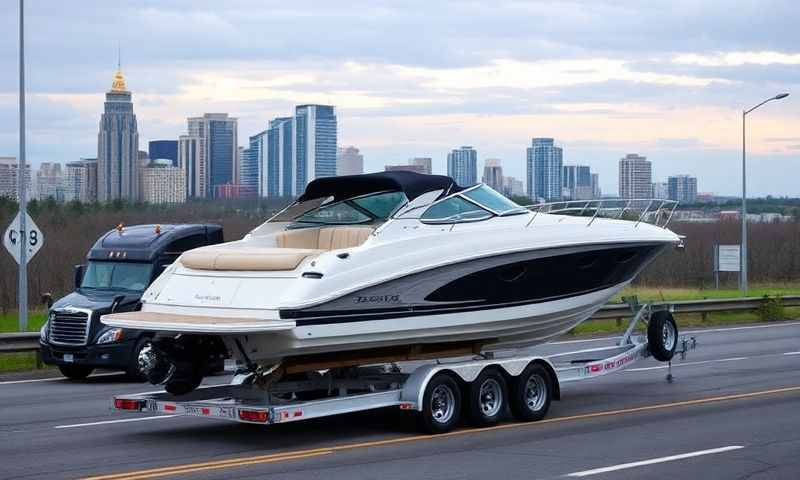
(79,275)
(47,299)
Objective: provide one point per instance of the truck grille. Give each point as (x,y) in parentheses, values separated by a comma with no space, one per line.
(69,328)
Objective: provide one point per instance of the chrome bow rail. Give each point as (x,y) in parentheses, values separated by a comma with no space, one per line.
(655,211)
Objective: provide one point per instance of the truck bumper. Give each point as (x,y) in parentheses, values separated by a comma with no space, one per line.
(114,356)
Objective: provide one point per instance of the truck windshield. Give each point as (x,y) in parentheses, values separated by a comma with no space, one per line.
(117,276)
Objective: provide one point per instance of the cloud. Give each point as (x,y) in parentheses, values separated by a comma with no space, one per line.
(737,59)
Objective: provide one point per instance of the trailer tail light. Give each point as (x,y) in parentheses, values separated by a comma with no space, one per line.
(127,404)
(261,416)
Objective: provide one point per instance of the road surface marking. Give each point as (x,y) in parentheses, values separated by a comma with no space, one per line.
(123,420)
(792,353)
(671,458)
(686,364)
(53,379)
(416,438)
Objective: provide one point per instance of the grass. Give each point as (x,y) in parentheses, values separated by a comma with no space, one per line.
(652,294)
(9,322)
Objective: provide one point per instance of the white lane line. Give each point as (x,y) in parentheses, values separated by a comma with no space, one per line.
(686,364)
(792,353)
(749,327)
(53,379)
(124,420)
(652,461)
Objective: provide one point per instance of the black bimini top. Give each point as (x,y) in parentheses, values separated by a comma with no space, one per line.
(349,186)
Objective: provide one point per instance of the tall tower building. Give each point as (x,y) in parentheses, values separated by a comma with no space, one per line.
(462,166)
(544,169)
(209,153)
(192,159)
(80,181)
(349,161)
(249,169)
(279,158)
(635,177)
(577,182)
(315,129)
(118,146)
(493,174)
(682,188)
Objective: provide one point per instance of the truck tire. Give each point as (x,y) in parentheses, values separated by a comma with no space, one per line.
(134,371)
(662,335)
(75,372)
(487,398)
(531,393)
(441,405)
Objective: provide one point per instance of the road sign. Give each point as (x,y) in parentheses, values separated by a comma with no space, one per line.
(728,258)
(33,238)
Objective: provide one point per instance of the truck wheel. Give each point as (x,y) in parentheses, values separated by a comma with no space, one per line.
(531,394)
(662,335)
(75,372)
(134,370)
(441,405)
(488,395)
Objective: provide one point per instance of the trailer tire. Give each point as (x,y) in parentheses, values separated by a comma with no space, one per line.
(441,405)
(531,393)
(182,386)
(75,372)
(662,335)
(487,398)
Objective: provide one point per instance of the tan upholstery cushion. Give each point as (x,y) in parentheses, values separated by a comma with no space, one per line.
(327,238)
(247,259)
(302,238)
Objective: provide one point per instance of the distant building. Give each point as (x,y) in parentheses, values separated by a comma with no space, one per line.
(596,193)
(404,168)
(577,182)
(9,186)
(462,166)
(80,180)
(315,129)
(255,174)
(118,146)
(50,182)
(209,153)
(249,171)
(635,177)
(279,158)
(425,162)
(163,183)
(544,169)
(192,159)
(682,188)
(513,187)
(349,161)
(660,191)
(493,174)
(163,150)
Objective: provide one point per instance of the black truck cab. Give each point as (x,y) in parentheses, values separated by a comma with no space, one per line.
(121,265)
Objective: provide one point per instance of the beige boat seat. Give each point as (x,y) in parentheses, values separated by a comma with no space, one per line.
(294,246)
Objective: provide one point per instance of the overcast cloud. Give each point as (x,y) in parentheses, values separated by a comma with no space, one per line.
(605,78)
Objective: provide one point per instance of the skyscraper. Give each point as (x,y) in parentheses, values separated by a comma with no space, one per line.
(425,162)
(80,180)
(462,166)
(163,183)
(577,182)
(596,193)
(493,174)
(682,188)
(209,153)
(192,159)
(9,180)
(635,177)
(315,144)
(50,182)
(544,169)
(118,146)
(249,169)
(279,158)
(349,161)
(163,149)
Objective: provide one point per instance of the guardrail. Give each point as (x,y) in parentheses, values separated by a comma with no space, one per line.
(29,341)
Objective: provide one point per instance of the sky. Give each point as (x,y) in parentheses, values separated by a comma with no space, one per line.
(667,80)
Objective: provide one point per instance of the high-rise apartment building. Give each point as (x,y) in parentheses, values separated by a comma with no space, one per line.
(118,146)
(596,193)
(315,144)
(660,190)
(50,182)
(163,183)
(425,162)
(9,180)
(493,174)
(349,161)
(278,158)
(577,182)
(249,169)
(80,181)
(635,177)
(462,166)
(682,188)
(192,159)
(163,150)
(209,153)
(544,169)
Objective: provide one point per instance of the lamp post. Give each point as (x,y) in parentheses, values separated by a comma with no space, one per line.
(743,251)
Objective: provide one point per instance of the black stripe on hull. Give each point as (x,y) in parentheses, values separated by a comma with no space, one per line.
(498,282)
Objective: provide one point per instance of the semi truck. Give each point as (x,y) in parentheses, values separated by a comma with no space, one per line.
(122,263)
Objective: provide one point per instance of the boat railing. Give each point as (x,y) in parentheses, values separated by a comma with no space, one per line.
(654,211)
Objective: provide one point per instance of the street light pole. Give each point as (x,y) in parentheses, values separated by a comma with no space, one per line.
(743,250)
(22,286)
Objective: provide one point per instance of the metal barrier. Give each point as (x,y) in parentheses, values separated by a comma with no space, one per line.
(29,341)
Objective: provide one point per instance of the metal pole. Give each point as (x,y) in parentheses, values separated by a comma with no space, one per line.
(743,251)
(22,287)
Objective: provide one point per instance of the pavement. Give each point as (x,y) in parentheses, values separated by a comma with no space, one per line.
(732,411)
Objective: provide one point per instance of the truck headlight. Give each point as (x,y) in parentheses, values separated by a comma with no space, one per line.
(43,332)
(110,336)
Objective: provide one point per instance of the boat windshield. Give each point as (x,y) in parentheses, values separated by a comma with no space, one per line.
(360,210)
(493,200)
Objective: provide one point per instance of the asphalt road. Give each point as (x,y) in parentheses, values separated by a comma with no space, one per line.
(733,411)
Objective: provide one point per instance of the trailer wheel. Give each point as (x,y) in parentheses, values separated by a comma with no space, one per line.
(441,405)
(75,372)
(662,335)
(488,395)
(531,393)
(183,385)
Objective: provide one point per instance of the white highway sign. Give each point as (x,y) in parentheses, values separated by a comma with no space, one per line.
(33,238)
